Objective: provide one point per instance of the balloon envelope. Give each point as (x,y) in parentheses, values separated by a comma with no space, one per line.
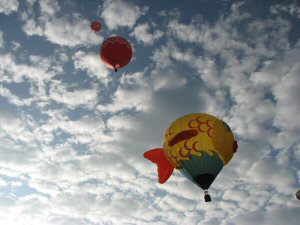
(96,26)
(194,134)
(116,52)
(199,145)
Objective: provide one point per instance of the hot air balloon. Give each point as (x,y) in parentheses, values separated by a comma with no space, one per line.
(298,194)
(198,145)
(96,26)
(116,52)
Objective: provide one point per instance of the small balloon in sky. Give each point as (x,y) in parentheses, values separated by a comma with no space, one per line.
(298,194)
(116,52)
(96,26)
(198,145)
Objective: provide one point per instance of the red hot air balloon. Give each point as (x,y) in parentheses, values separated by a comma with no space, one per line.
(96,26)
(116,52)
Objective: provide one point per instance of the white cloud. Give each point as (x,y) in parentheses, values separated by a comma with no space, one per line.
(82,97)
(49,8)
(70,33)
(268,171)
(119,13)
(292,9)
(1,40)
(18,160)
(143,34)
(13,127)
(34,77)
(6,93)
(80,153)
(188,33)
(8,6)
(286,93)
(15,45)
(274,216)
(120,122)
(37,71)
(235,195)
(133,93)
(92,64)
(168,79)
(85,125)
(31,27)
(161,57)
(127,99)
(223,38)
(270,73)
(31,208)
(166,74)
(210,73)
(68,30)
(3,183)
(280,78)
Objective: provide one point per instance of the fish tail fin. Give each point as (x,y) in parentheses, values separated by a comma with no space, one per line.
(164,167)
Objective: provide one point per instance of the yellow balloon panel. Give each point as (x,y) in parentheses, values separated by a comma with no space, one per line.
(195,134)
(223,140)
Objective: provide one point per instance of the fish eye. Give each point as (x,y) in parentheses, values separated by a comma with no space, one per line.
(226,127)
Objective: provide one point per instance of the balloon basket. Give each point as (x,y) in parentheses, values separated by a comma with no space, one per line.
(207,197)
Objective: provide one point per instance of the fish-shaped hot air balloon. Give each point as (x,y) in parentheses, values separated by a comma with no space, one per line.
(198,145)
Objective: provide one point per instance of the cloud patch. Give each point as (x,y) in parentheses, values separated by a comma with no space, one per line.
(121,14)
(9,6)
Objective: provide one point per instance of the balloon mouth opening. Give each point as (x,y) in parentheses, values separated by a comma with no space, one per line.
(96,28)
(116,67)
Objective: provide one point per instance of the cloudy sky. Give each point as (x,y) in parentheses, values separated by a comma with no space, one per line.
(73,133)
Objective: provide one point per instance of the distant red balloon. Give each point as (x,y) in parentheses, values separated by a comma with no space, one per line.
(116,52)
(96,26)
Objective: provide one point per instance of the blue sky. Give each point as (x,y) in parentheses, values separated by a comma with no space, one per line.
(73,132)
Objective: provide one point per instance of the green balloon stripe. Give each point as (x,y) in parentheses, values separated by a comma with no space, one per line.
(204,164)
